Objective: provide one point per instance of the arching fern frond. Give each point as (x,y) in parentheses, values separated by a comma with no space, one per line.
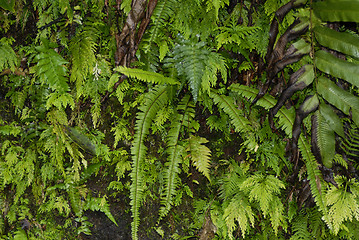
(8,58)
(160,17)
(240,123)
(175,152)
(315,178)
(146,76)
(154,101)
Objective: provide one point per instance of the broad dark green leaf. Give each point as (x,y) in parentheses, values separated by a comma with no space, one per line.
(331,118)
(337,11)
(336,67)
(339,41)
(324,138)
(341,99)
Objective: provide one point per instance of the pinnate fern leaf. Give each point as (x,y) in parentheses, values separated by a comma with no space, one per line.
(175,152)
(324,138)
(240,123)
(83,60)
(154,101)
(200,154)
(262,189)
(343,203)
(239,210)
(315,178)
(51,70)
(198,65)
(8,58)
(146,76)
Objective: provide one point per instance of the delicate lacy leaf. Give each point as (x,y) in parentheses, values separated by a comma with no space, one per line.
(200,154)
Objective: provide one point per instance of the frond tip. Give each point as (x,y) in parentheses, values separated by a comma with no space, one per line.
(146,76)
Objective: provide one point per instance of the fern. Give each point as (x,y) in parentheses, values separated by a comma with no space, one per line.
(198,65)
(315,178)
(256,185)
(235,35)
(161,16)
(286,116)
(241,211)
(8,58)
(154,101)
(82,48)
(342,202)
(236,206)
(240,123)
(175,152)
(300,227)
(51,71)
(325,139)
(146,76)
(200,154)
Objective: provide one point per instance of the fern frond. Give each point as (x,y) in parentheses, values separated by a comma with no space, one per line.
(300,228)
(154,101)
(175,153)
(146,76)
(190,59)
(315,178)
(8,58)
(235,34)
(82,48)
(160,17)
(200,154)
(215,63)
(286,116)
(342,202)
(324,137)
(240,123)
(239,210)
(258,184)
(50,68)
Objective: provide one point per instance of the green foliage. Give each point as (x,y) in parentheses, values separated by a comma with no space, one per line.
(106,104)
(175,150)
(147,76)
(200,154)
(154,101)
(342,202)
(8,57)
(197,64)
(82,49)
